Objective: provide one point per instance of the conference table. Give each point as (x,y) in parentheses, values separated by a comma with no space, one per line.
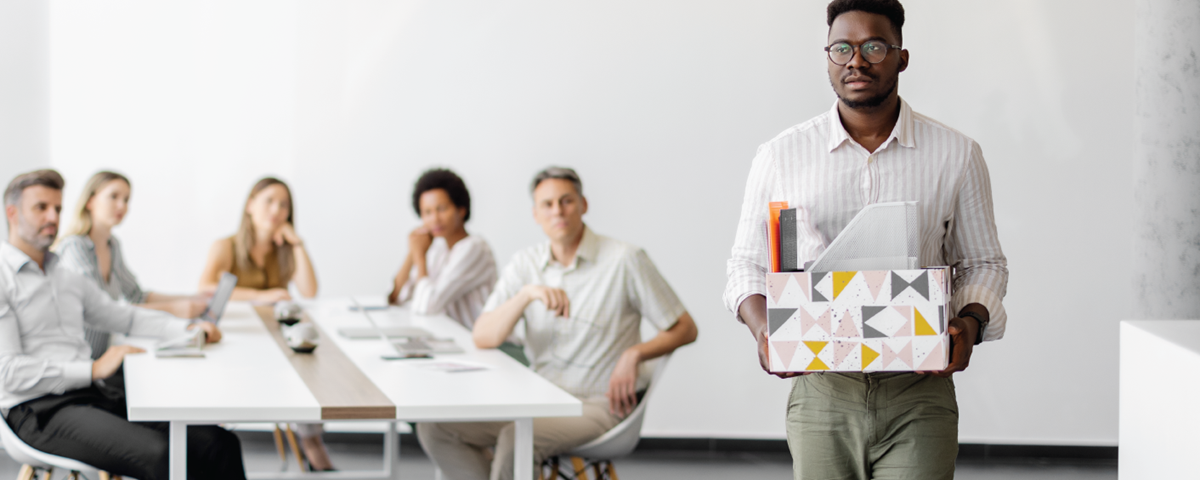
(252,376)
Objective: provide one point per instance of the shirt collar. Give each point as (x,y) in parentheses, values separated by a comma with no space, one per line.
(902,133)
(588,248)
(16,259)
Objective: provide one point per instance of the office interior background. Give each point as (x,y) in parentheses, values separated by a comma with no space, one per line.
(659,106)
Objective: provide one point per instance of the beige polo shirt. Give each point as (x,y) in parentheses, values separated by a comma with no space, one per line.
(612,286)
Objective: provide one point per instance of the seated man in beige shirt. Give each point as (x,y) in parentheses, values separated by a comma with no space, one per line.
(583,297)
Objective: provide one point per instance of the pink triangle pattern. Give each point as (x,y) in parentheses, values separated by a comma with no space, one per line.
(905,330)
(937,279)
(846,328)
(802,280)
(934,362)
(776,284)
(890,355)
(841,350)
(786,350)
(875,282)
(826,321)
(806,321)
(904,310)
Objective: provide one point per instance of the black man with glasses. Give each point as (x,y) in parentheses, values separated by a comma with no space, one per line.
(871,147)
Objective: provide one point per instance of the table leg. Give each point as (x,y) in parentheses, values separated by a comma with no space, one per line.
(178,451)
(523,454)
(391,452)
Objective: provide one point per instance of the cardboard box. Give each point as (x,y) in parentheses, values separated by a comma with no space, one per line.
(865,321)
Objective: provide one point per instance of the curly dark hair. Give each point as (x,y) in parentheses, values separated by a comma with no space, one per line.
(448,181)
(892,9)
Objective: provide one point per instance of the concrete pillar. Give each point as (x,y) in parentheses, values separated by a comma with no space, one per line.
(1166,159)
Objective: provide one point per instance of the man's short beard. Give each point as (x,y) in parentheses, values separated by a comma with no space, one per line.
(40,242)
(870,102)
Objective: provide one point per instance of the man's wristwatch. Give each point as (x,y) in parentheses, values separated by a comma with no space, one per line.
(982,324)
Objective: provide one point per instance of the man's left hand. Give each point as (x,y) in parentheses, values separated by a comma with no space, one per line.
(963,332)
(212,334)
(622,385)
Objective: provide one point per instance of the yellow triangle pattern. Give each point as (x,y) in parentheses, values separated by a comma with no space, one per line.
(868,356)
(923,327)
(840,280)
(817,364)
(815,346)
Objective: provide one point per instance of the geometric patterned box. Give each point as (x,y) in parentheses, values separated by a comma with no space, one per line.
(866,321)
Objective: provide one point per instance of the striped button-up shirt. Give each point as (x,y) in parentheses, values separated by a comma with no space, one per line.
(817,168)
(77,253)
(458,283)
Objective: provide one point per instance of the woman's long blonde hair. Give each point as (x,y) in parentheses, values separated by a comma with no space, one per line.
(82,223)
(243,240)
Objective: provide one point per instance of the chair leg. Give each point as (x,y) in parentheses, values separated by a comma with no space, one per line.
(73,476)
(580,468)
(295,448)
(612,471)
(104,476)
(597,471)
(49,473)
(279,448)
(554,468)
(26,473)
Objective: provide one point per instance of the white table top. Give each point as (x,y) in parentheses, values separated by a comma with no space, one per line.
(247,378)
(506,390)
(244,377)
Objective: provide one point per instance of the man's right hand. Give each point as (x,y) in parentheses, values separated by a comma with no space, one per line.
(107,364)
(754,313)
(553,298)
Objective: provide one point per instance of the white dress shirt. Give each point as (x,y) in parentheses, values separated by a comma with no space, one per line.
(612,287)
(817,168)
(457,283)
(42,316)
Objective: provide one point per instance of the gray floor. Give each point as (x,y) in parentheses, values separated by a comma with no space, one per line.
(261,456)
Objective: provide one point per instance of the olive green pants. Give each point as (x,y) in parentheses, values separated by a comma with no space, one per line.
(881,426)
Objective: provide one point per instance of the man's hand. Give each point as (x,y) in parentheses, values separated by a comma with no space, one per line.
(212,334)
(963,332)
(188,307)
(107,364)
(754,313)
(622,385)
(555,299)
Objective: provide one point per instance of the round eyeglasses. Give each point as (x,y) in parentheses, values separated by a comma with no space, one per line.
(873,51)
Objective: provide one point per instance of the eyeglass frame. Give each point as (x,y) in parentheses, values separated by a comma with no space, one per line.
(857,50)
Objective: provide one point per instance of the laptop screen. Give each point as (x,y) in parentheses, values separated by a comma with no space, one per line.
(216,305)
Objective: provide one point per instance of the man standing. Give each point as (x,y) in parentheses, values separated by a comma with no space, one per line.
(51,391)
(872,147)
(583,297)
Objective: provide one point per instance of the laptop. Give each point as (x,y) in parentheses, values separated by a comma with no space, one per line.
(216,304)
(408,347)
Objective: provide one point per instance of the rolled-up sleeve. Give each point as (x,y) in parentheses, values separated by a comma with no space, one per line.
(981,270)
(746,269)
(23,375)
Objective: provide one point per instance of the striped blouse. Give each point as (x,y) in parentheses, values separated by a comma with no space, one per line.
(817,166)
(77,253)
(458,283)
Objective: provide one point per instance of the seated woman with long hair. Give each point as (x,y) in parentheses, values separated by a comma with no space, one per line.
(266,254)
(446,270)
(91,250)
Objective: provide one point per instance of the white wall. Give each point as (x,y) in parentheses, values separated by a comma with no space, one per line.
(24,89)
(660,106)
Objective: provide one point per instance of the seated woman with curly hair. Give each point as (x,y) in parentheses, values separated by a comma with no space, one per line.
(447,271)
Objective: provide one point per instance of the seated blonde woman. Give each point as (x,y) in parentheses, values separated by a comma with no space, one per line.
(446,270)
(267,256)
(91,250)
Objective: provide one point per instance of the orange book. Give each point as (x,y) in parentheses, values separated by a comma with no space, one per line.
(773,233)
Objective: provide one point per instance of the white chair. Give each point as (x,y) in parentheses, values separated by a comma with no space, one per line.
(35,461)
(616,443)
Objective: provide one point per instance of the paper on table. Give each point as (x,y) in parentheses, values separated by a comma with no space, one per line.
(883,236)
(451,366)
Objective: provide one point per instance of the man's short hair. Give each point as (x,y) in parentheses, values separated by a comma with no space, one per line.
(557,173)
(447,181)
(47,178)
(892,9)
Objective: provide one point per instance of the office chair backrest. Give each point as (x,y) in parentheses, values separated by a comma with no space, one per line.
(623,438)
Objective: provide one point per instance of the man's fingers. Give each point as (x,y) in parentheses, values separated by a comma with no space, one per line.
(133,349)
